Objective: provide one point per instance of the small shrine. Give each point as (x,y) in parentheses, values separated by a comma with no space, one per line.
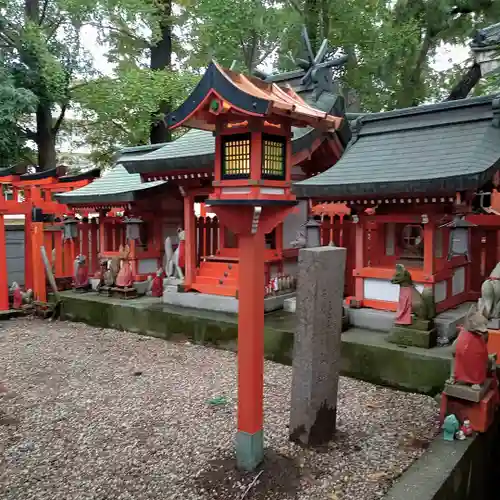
(420,183)
(128,213)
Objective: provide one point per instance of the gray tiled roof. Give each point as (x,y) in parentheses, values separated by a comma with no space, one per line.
(114,186)
(438,148)
(486,38)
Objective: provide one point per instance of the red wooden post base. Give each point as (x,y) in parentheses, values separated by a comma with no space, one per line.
(251,237)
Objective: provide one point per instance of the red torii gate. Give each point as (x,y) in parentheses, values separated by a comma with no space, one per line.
(34,191)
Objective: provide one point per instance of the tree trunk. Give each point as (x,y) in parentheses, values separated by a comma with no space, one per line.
(32,10)
(161,58)
(468,81)
(45,138)
(311,19)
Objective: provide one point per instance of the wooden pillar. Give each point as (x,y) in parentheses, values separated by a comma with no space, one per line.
(360,260)
(94,247)
(190,234)
(222,235)
(39,286)
(28,258)
(133,258)
(4,281)
(59,258)
(85,239)
(250,340)
(429,235)
(102,233)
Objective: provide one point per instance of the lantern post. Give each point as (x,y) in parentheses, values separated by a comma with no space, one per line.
(252,122)
(133,233)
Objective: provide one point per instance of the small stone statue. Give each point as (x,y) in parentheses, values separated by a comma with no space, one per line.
(157,284)
(411,301)
(111,272)
(450,427)
(81,274)
(414,322)
(300,240)
(124,277)
(176,260)
(466,428)
(20,297)
(489,301)
(471,360)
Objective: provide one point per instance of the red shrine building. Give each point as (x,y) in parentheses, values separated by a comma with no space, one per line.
(408,176)
(118,195)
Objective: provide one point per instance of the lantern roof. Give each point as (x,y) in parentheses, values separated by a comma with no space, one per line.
(225,91)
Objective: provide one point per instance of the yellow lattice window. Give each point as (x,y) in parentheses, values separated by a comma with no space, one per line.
(236,156)
(274,156)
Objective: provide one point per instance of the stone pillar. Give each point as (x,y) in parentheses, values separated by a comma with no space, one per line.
(316,354)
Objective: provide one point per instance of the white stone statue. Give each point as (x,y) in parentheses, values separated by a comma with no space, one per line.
(173,269)
(490,294)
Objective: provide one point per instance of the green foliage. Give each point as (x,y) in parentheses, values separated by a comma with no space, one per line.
(246,31)
(117,111)
(15,106)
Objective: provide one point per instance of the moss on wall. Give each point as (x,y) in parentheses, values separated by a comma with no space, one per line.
(384,364)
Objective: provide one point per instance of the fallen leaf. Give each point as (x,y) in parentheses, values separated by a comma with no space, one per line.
(334,496)
(377,475)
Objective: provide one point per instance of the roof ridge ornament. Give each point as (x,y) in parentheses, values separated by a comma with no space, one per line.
(318,67)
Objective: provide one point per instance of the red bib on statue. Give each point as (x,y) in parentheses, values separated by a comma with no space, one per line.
(471,358)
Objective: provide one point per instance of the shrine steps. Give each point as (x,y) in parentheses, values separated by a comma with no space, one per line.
(217,278)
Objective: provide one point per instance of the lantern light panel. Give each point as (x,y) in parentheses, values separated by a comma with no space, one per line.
(274,157)
(313,233)
(133,228)
(236,156)
(459,237)
(70,228)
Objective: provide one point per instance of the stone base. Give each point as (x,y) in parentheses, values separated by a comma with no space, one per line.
(64,283)
(104,290)
(249,450)
(462,391)
(124,293)
(94,282)
(416,337)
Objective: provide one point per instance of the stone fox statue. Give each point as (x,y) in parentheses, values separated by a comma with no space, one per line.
(471,363)
(489,302)
(411,300)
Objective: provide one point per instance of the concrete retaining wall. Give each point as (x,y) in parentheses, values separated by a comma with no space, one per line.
(458,470)
(365,355)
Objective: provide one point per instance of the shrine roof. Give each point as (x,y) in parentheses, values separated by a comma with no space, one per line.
(113,187)
(486,38)
(195,149)
(438,148)
(245,96)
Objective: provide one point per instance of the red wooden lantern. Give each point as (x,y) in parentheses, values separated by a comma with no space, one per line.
(252,121)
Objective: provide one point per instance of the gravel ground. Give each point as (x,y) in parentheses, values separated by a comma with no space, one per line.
(87,413)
